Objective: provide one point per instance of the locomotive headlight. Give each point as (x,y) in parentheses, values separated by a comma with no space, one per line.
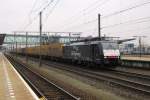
(105,56)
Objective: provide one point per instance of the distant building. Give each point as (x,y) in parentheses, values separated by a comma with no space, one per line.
(127,48)
(131,49)
(148,50)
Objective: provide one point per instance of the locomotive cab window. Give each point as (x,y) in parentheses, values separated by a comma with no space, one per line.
(110,45)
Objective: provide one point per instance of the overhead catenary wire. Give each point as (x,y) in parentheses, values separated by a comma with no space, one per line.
(145,19)
(44,8)
(74,18)
(30,22)
(92,21)
(131,30)
(85,9)
(98,6)
(82,24)
(35,2)
(118,12)
(36,17)
(51,10)
(115,13)
(127,9)
(32,10)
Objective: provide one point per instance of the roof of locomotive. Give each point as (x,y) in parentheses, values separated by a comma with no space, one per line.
(89,42)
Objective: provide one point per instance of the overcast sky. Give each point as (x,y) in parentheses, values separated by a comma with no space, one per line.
(78,16)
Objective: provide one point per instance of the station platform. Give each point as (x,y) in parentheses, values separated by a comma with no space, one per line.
(136,58)
(12,86)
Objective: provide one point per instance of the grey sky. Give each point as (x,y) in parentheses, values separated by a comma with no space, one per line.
(77,15)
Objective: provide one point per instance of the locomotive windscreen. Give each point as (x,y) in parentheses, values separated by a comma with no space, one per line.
(110,45)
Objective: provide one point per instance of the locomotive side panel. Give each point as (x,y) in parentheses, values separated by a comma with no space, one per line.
(86,54)
(78,52)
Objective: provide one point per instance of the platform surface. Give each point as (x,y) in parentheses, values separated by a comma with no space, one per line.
(137,58)
(12,86)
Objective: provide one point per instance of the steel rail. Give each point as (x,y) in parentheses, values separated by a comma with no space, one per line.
(134,86)
(64,94)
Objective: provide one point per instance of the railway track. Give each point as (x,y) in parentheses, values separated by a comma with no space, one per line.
(132,82)
(145,79)
(44,88)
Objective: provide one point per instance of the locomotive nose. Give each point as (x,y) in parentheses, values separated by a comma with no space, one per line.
(111,56)
(111,53)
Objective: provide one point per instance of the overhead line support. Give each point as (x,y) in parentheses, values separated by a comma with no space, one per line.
(99,26)
(40,56)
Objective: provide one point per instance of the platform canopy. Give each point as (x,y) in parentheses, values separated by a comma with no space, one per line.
(32,38)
